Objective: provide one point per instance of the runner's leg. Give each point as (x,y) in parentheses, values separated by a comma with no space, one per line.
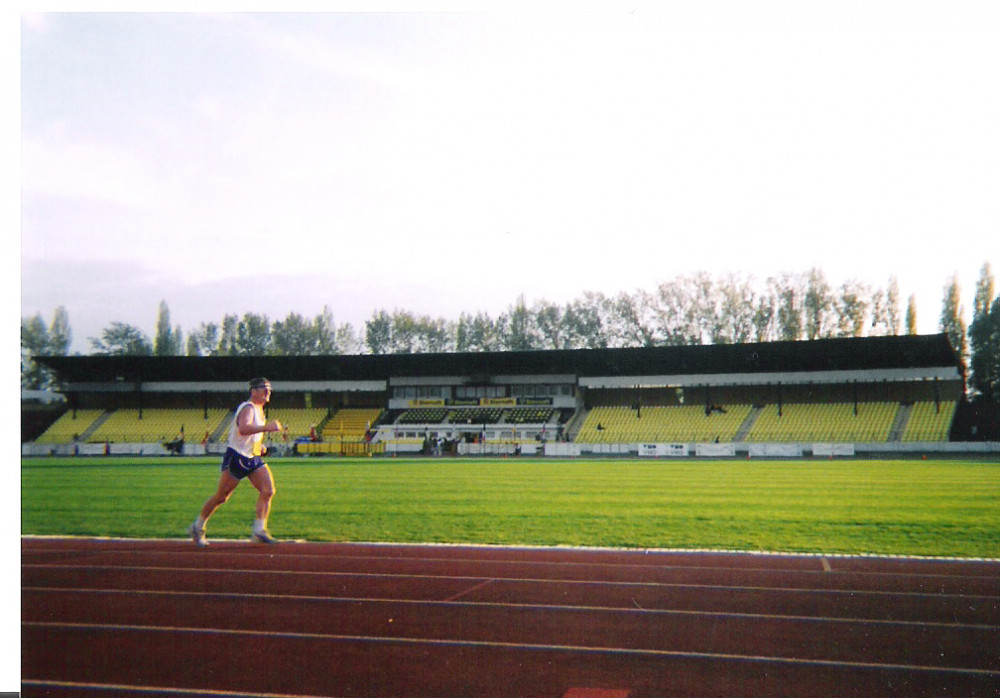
(262,479)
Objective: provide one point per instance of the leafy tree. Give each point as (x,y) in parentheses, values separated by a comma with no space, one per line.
(36,340)
(548,322)
(253,335)
(911,316)
(168,341)
(818,305)
(204,341)
(476,333)
(985,333)
(346,341)
(519,330)
(704,311)
(852,309)
(121,339)
(984,337)
(584,323)
(671,315)
(893,313)
(60,335)
(885,316)
(952,323)
(378,333)
(438,334)
(326,334)
(737,300)
(294,336)
(228,339)
(624,322)
(764,318)
(789,295)
(686,310)
(405,333)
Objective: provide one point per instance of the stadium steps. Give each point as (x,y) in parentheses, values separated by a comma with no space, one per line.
(899,424)
(350,424)
(95,425)
(220,431)
(748,423)
(575,423)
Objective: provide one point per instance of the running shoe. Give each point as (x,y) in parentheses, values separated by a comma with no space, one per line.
(262,537)
(198,536)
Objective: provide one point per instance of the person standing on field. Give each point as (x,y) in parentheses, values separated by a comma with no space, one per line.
(243,459)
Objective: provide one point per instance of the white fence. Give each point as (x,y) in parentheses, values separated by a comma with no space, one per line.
(561,449)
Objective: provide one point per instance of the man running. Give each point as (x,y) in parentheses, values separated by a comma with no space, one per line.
(243,460)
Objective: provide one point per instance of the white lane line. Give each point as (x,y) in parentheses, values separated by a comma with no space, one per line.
(508,605)
(158,689)
(26,539)
(517,580)
(513,646)
(824,561)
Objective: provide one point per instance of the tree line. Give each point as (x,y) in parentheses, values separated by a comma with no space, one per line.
(687,310)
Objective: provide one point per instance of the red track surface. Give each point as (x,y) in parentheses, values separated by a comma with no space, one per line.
(154,618)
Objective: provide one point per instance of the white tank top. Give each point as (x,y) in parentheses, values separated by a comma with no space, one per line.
(249,445)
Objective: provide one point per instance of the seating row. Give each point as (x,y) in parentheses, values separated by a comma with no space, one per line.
(793,422)
(163,425)
(476,415)
(350,425)
(150,425)
(843,423)
(872,422)
(662,424)
(930,421)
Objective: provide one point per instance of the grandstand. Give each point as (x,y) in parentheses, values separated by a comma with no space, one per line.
(156,425)
(350,425)
(896,393)
(71,426)
(835,422)
(666,424)
(299,422)
(929,421)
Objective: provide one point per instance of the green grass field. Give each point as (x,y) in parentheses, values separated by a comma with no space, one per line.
(904,507)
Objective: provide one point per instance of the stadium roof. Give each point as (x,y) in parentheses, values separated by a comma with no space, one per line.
(911,357)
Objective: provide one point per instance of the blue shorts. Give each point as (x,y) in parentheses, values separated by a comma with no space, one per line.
(239,466)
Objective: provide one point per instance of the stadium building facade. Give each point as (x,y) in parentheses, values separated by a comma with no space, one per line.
(880,394)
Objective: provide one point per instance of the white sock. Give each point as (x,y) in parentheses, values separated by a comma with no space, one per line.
(199,523)
(259,525)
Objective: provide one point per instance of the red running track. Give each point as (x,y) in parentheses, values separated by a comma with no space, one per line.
(163,618)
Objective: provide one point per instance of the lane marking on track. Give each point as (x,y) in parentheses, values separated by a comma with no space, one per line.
(824,561)
(517,580)
(160,689)
(28,538)
(466,592)
(619,651)
(631,610)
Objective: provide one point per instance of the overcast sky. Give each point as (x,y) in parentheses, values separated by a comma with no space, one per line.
(442,162)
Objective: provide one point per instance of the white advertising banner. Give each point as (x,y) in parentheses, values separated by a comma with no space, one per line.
(833,449)
(562,449)
(715,450)
(663,450)
(775,451)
